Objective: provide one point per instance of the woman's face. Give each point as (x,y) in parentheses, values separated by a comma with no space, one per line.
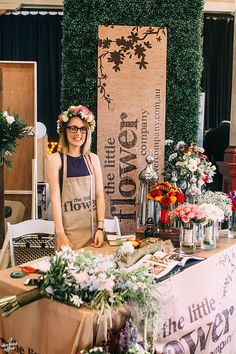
(76,137)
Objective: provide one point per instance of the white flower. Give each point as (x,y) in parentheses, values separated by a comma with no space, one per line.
(10,119)
(180,143)
(220,199)
(5,114)
(168,142)
(127,247)
(90,118)
(65,118)
(192,166)
(213,213)
(76,300)
(49,290)
(173,156)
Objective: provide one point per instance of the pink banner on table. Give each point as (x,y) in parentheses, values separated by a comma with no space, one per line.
(131,112)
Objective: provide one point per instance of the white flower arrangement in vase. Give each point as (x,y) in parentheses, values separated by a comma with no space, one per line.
(213,215)
(222,201)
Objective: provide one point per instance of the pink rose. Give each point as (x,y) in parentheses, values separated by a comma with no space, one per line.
(84,109)
(185,219)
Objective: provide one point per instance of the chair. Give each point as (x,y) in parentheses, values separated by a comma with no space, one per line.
(112,226)
(29,240)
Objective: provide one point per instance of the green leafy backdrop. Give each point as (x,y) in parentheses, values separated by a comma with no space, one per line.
(184,22)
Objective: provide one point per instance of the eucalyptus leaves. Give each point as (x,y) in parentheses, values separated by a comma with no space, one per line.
(11,128)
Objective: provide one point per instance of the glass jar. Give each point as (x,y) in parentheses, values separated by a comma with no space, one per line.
(187,238)
(199,234)
(217,230)
(163,223)
(209,236)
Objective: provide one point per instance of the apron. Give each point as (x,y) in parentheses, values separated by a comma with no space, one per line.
(78,194)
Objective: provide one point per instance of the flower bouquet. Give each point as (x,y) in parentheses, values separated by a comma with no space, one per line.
(213,215)
(165,194)
(221,200)
(189,216)
(185,162)
(83,279)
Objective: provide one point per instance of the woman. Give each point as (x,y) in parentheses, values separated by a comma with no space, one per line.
(75,181)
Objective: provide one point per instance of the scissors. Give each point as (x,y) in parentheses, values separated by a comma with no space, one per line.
(30,270)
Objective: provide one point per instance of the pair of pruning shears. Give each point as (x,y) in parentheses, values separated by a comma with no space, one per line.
(30,270)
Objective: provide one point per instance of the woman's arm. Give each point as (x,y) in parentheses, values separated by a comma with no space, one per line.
(53,166)
(100,201)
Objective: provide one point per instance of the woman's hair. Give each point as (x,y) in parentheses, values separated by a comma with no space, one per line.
(88,120)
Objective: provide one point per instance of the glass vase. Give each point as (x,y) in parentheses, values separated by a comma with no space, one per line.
(163,223)
(187,238)
(217,230)
(199,234)
(209,236)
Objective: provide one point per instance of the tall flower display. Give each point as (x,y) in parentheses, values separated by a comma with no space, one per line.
(11,129)
(185,162)
(165,194)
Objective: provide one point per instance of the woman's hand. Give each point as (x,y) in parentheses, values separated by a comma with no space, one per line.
(98,239)
(61,240)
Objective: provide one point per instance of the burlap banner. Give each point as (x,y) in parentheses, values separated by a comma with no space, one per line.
(131,112)
(198,308)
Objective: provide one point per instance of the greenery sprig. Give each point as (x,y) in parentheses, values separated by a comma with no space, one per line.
(11,129)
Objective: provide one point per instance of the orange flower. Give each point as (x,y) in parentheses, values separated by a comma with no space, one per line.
(165,193)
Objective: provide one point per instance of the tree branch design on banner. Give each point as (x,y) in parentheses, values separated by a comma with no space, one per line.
(228,260)
(127,47)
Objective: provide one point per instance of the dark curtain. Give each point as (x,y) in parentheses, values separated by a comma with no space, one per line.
(37,38)
(217,73)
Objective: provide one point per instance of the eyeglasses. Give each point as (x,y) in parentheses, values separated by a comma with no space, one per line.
(74,129)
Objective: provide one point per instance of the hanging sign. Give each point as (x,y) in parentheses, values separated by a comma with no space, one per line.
(131,112)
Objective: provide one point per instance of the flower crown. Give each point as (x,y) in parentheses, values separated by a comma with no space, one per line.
(75,111)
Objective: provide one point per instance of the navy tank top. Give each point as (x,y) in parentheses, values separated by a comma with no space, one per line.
(76,167)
